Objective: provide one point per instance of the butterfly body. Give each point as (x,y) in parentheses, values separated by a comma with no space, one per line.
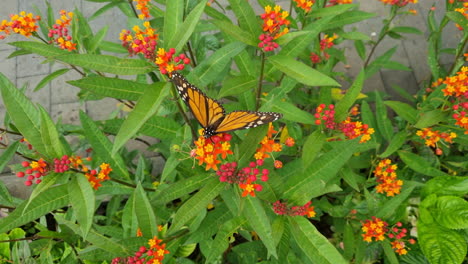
(211,114)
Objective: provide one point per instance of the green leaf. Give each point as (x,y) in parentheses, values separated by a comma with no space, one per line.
(315,246)
(403,93)
(383,122)
(221,241)
(246,16)
(360,49)
(331,11)
(248,146)
(112,47)
(448,185)
(49,78)
(112,87)
(312,147)
(452,212)
(210,68)
(83,202)
(389,207)
(430,118)
(236,32)
(379,62)
(301,72)
(292,112)
(355,35)
(301,187)
(184,31)
(395,144)
(237,85)
(23,113)
(97,39)
(107,63)
(343,106)
(173,19)
(348,18)
(144,213)
(419,164)
(196,204)
(349,241)
(146,106)
(103,9)
(52,199)
(441,245)
(102,146)
(180,188)
(8,154)
(389,253)
(258,220)
(50,136)
(39,48)
(403,110)
(433,57)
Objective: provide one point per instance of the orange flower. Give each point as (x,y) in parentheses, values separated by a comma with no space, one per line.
(387,178)
(249,188)
(306,5)
(142,42)
(142,5)
(168,63)
(275,25)
(208,150)
(399,3)
(464,11)
(59,34)
(24,24)
(354,129)
(399,247)
(433,137)
(282,208)
(374,228)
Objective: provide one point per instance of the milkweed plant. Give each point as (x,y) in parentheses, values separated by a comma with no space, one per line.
(346,175)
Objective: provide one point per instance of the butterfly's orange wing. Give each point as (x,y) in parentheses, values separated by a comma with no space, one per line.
(245,119)
(206,110)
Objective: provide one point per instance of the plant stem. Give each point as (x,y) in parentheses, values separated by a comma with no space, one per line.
(260,82)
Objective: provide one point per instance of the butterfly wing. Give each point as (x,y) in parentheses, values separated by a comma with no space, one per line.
(244,120)
(206,110)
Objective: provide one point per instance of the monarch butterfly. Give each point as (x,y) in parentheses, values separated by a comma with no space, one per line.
(211,114)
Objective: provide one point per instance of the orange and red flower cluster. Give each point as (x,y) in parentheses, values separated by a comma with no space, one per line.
(399,3)
(142,42)
(306,5)
(168,63)
(35,170)
(339,2)
(96,177)
(460,115)
(282,208)
(433,137)
(246,177)
(350,129)
(377,229)
(275,25)
(22,23)
(208,150)
(153,254)
(325,43)
(268,145)
(59,34)
(142,5)
(385,174)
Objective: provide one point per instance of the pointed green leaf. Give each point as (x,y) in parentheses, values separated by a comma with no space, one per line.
(389,253)
(173,19)
(301,187)
(378,63)
(23,113)
(210,68)
(430,118)
(403,110)
(83,202)
(348,18)
(384,124)
(221,241)
(292,113)
(316,247)
(258,220)
(8,154)
(343,106)
(312,146)
(237,85)
(196,204)
(180,188)
(448,185)
(236,32)
(440,244)
(49,78)
(407,30)
(39,48)
(97,39)
(395,144)
(102,146)
(45,184)
(388,208)
(52,199)
(250,143)
(301,72)
(144,213)
(111,87)
(184,31)
(107,63)
(50,136)
(146,106)
(419,164)
(246,16)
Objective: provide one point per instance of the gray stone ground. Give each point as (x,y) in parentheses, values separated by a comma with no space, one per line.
(60,99)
